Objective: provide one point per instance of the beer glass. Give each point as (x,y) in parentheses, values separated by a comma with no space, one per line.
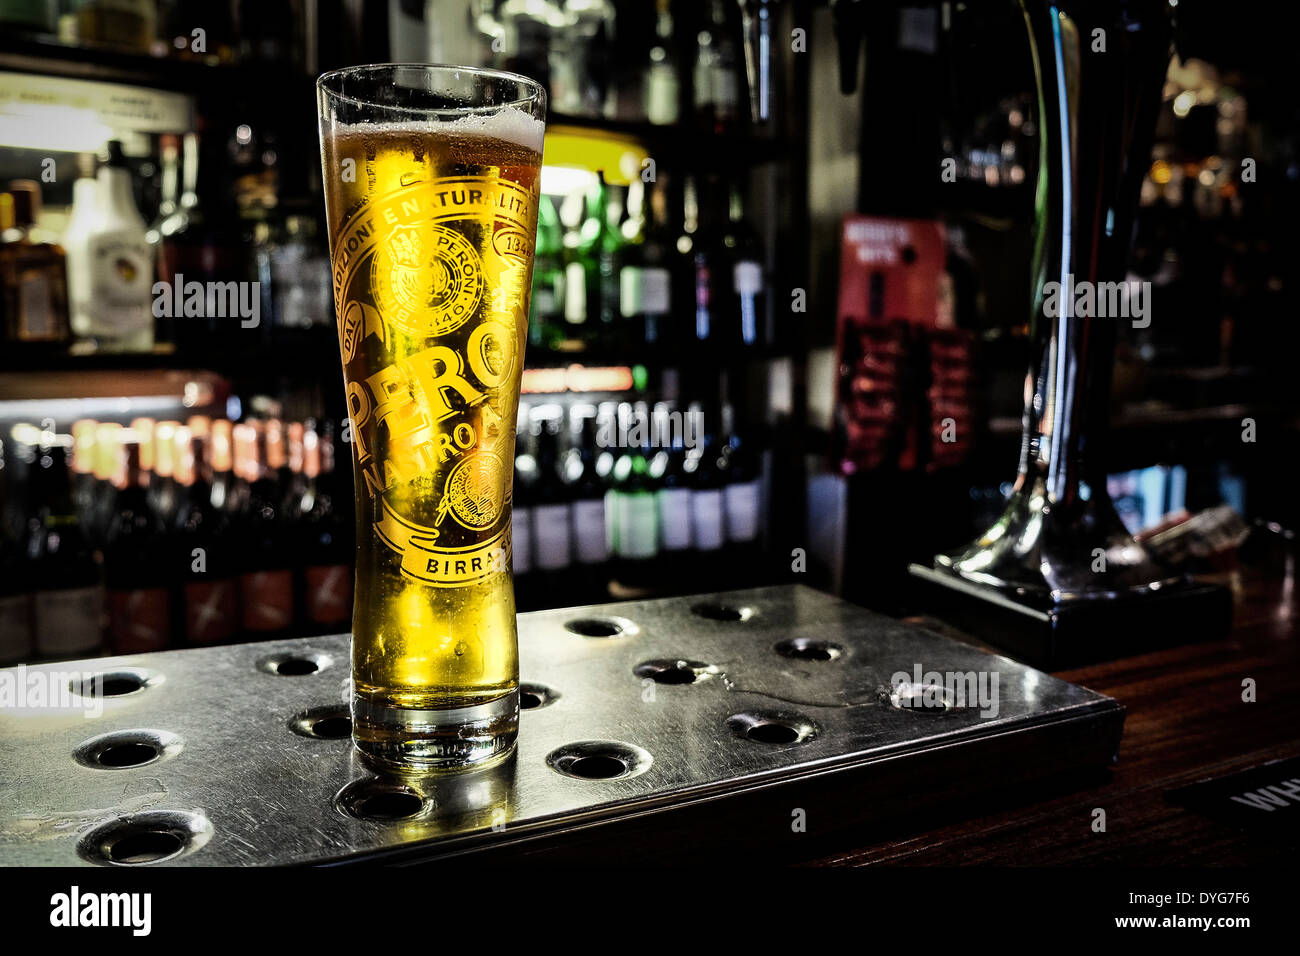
(431,177)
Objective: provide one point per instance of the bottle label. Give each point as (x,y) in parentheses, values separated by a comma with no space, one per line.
(544,300)
(639,533)
(706,517)
(661,94)
(631,291)
(747,278)
(675,518)
(15,628)
(575,293)
(268,600)
(589,531)
(521,529)
(121,283)
(329,594)
(551,535)
(35,307)
(613,516)
(656,290)
(69,623)
(211,611)
(138,620)
(742,511)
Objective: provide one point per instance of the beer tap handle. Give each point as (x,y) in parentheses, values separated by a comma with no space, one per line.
(756,21)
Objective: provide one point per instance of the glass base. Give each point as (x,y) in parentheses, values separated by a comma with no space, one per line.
(401,739)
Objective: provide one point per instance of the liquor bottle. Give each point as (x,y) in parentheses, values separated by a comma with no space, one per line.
(294,475)
(105,467)
(580,41)
(645,282)
(83,219)
(706,471)
(546,307)
(326,534)
(162,481)
(110,264)
(180,18)
(521,513)
(609,244)
(576,256)
(744,251)
(682,330)
(637,515)
(662,86)
(169,150)
(67,581)
(221,451)
(85,489)
(16,636)
(202,549)
(294,271)
(137,566)
(673,499)
(33,274)
(29,16)
(201,242)
(708,267)
(587,489)
(123,24)
(551,507)
(741,496)
(243,443)
(607,415)
(716,76)
(266,577)
(277,465)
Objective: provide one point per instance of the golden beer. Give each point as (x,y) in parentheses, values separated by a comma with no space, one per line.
(431,181)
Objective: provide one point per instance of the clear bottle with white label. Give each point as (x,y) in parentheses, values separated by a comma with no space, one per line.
(110,261)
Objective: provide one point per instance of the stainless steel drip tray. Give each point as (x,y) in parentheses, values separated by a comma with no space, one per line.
(759,705)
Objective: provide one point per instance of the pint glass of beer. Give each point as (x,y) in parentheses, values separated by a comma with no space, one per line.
(431,187)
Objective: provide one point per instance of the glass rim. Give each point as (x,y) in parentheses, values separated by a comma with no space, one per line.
(536,91)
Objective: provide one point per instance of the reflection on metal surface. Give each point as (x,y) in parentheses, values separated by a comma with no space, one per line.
(275,789)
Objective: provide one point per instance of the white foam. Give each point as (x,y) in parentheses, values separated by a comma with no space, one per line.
(512,125)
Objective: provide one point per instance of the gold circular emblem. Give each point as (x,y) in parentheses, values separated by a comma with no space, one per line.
(475,490)
(427,279)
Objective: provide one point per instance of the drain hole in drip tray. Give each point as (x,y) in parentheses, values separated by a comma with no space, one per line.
(600,760)
(722,612)
(807,649)
(674,671)
(601,627)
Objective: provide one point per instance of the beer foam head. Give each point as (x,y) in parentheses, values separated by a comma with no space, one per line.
(511,125)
